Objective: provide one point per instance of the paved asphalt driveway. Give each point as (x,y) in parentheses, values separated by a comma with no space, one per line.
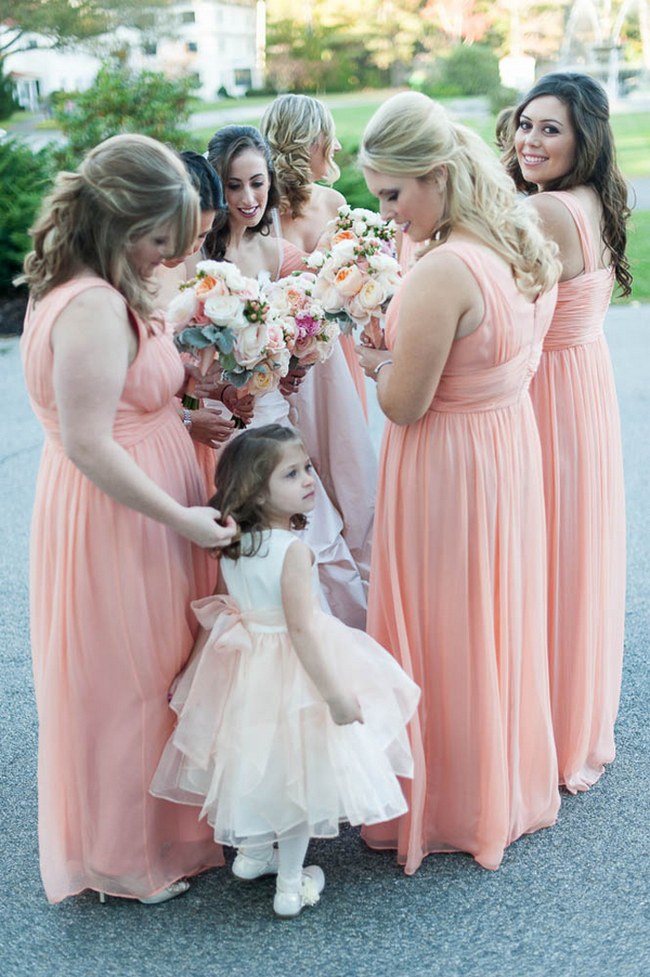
(571,901)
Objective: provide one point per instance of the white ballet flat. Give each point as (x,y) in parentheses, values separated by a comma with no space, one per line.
(173,890)
(247,868)
(288,903)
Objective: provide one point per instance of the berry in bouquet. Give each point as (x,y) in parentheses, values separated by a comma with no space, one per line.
(219,314)
(357,271)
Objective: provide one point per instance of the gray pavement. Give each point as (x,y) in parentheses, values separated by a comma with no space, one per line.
(571,901)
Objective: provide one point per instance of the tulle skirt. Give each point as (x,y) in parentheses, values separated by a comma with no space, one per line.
(255,745)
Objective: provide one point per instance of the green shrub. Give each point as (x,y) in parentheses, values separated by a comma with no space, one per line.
(471,69)
(8,103)
(24,179)
(351,182)
(121,100)
(503,98)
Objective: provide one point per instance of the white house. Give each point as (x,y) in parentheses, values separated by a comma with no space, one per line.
(220,41)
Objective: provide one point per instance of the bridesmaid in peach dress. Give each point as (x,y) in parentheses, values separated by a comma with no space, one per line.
(207,425)
(341,528)
(562,153)
(117,508)
(333,420)
(458,587)
(300,132)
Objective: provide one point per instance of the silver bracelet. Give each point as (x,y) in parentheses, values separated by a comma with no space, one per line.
(380,366)
(187,418)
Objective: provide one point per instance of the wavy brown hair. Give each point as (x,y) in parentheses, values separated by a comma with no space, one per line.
(126,187)
(224,147)
(595,163)
(242,479)
(292,124)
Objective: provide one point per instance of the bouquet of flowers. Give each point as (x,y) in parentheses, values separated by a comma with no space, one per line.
(358,272)
(309,334)
(219,314)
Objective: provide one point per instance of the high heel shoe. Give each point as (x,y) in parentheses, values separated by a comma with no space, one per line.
(173,890)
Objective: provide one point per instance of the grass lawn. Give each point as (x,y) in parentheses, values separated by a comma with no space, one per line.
(638,251)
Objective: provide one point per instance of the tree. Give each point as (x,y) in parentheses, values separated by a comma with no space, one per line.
(64,22)
(121,100)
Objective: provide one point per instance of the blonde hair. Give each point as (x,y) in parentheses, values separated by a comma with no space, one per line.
(291,125)
(125,188)
(412,136)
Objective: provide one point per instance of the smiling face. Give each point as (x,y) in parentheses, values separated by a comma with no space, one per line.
(149,251)
(291,487)
(545,141)
(207,220)
(247,188)
(416,205)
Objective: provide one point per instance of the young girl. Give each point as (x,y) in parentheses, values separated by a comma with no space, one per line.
(288,721)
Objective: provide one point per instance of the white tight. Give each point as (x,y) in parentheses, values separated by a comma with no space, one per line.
(292,848)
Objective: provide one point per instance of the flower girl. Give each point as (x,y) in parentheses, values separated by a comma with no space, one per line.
(289,722)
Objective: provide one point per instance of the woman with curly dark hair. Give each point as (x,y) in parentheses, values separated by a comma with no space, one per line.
(560,150)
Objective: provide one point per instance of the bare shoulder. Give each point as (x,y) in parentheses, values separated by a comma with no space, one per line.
(553,214)
(296,569)
(95,307)
(441,269)
(327,199)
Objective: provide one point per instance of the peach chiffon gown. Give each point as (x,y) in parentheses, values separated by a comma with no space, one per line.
(458,586)
(111,627)
(575,403)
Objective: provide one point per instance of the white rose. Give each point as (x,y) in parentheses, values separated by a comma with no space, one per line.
(315,259)
(225,310)
(356,311)
(275,336)
(359,228)
(328,296)
(372,294)
(249,344)
(181,309)
(343,252)
(212,268)
(381,262)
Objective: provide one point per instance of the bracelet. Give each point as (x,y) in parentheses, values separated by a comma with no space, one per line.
(380,366)
(187,418)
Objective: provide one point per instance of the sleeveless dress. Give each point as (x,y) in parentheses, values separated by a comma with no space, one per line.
(458,585)
(111,625)
(327,412)
(255,745)
(574,399)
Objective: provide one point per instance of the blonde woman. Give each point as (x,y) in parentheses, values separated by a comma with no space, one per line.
(300,132)
(458,571)
(113,568)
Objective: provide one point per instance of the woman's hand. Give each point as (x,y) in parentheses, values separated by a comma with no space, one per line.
(201,525)
(370,358)
(210,427)
(293,379)
(345,709)
(241,405)
(208,384)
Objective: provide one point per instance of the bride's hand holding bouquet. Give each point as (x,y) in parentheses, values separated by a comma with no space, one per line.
(219,314)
